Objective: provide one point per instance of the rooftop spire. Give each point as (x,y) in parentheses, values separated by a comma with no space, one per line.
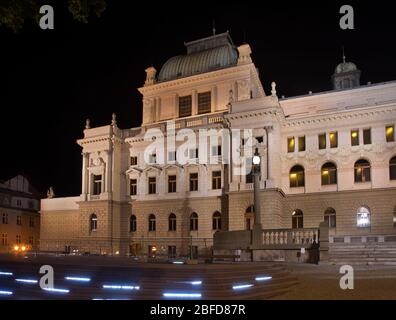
(343,54)
(214,27)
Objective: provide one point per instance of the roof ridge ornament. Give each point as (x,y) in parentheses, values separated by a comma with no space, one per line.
(114,120)
(273,89)
(151,76)
(87,124)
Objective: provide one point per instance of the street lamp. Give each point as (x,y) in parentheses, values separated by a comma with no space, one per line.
(257,228)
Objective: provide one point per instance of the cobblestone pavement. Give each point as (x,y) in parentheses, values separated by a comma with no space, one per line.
(322,282)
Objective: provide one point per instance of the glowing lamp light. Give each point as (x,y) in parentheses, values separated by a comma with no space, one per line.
(16,248)
(293,175)
(354,134)
(325,172)
(23,248)
(389,130)
(256,160)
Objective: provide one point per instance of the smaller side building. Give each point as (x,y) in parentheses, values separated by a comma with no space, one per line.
(19,215)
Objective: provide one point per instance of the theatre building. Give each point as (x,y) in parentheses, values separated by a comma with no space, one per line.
(328,156)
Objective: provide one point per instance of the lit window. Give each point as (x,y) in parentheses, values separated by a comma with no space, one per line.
(19,220)
(204,102)
(333,139)
(4,239)
(301,144)
(322,141)
(185,104)
(152,224)
(132,223)
(216,221)
(194,222)
(133,187)
(329,174)
(18,239)
(171,184)
(133,161)
(362,171)
(193,181)
(93,222)
(291,145)
(355,137)
(172,222)
(367,136)
(392,168)
(297,219)
(390,133)
(152,185)
(330,217)
(216,180)
(97,184)
(297,177)
(363,217)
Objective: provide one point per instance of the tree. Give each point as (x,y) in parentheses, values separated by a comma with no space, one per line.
(14,13)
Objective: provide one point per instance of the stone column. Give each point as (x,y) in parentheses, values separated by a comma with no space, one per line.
(109,168)
(84,173)
(176,105)
(213,96)
(194,103)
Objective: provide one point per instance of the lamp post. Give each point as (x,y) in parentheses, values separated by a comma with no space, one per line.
(257,227)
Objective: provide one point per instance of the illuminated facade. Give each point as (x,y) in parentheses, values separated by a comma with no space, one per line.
(325,157)
(19,215)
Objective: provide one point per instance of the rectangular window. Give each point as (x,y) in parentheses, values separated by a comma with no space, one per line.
(216,180)
(4,239)
(5,218)
(249,171)
(31,241)
(172,156)
(31,222)
(153,158)
(193,181)
(367,136)
(333,139)
(322,141)
(185,106)
(152,185)
(204,102)
(301,144)
(133,187)
(133,161)
(97,185)
(19,220)
(390,133)
(291,145)
(171,252)
(18,239)
(355,137)
(216,151)
(193,153)
(171,184)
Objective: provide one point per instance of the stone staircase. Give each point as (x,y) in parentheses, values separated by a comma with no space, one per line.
(363,253)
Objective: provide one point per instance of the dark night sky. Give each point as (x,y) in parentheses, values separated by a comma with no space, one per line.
(51,81)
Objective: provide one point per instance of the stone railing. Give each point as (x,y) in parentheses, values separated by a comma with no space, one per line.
(290,237)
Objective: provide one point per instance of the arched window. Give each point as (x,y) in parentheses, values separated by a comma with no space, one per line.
(151,221)
(330,217)
(93,222)
(362,171)
(297,219)
(392,168)
(249,217)
(329,174)
(363,217)
(172,222)
(297,177)
(194,222)
(216,221)
(132,223)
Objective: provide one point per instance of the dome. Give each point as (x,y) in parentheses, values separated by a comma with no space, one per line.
(199,62)
(346,67)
